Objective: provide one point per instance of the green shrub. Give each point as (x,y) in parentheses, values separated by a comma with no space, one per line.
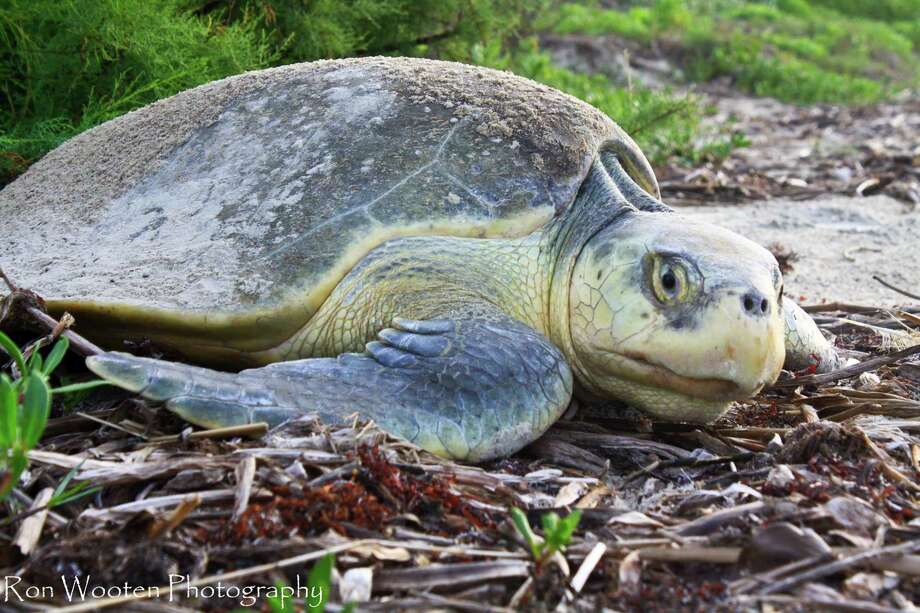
(830,51)
(67,65)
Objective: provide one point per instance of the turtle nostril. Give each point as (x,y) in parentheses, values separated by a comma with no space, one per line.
(748,303)
(755,304)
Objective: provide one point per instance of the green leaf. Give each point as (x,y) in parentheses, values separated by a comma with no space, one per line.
(35,409)
(519,518)
(34,363)
(66,480)
(62,495)
(8,412)
(563,530)
(320,580)
(12,349)
(550,521)
(78,491)
(16,463)
(279,604)
(56,355)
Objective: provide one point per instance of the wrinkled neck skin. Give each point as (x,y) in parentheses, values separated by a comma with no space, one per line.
(598,205)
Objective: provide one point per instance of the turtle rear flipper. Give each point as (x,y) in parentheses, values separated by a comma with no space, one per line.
(470,389)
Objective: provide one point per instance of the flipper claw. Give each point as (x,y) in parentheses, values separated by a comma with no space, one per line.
(424,326)
(426,345)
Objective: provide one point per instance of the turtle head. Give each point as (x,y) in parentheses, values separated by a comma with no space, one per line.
(675,317)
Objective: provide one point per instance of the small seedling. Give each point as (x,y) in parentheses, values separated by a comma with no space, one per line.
(25,403)
(557,532)
(319,584)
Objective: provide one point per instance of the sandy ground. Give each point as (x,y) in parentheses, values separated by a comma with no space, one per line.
(841,243)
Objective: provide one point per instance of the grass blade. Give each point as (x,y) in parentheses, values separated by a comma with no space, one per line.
(78,387)
(56,355)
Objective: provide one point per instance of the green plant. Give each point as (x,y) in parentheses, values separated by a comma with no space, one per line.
(557,532)
(25,403)
(320,579)
(68,65)
(824,51)
(661,123)
(63,494)
(319,585)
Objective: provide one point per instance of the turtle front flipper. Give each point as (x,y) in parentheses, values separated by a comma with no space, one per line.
(469,389)
(805,345)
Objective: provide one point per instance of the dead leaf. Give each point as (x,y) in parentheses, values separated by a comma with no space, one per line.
(630,573)
(854,515)
(781,543)
(397,554)
(593,498)
(569,493)
(30,530)
(635,518)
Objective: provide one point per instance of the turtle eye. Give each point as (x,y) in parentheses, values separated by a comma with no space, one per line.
(669,281)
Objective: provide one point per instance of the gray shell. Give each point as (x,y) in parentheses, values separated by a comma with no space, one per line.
(257,193)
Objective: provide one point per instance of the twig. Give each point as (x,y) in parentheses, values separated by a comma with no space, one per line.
(850,606)
(895,288)
(178,515)
(455,604)
(747,584)
(886,463)
(587,566)
(110,424)
(849,371)
(711,555)
(245,472)
(254,430)
(80,344)
(839,565)
(30,530)
(687,462)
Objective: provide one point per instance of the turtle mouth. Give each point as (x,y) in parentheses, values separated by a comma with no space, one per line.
(638,368)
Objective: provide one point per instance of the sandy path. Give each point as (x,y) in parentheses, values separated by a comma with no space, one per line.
(841,243)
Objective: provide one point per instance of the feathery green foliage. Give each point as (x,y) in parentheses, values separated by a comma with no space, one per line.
(67,65)
(303,31)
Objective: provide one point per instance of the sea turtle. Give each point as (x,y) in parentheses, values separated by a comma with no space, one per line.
(446,249)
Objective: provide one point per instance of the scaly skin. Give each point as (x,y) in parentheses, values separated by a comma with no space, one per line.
(479,341)
(426,278)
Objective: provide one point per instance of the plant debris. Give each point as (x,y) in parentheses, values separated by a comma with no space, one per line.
(806,494)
